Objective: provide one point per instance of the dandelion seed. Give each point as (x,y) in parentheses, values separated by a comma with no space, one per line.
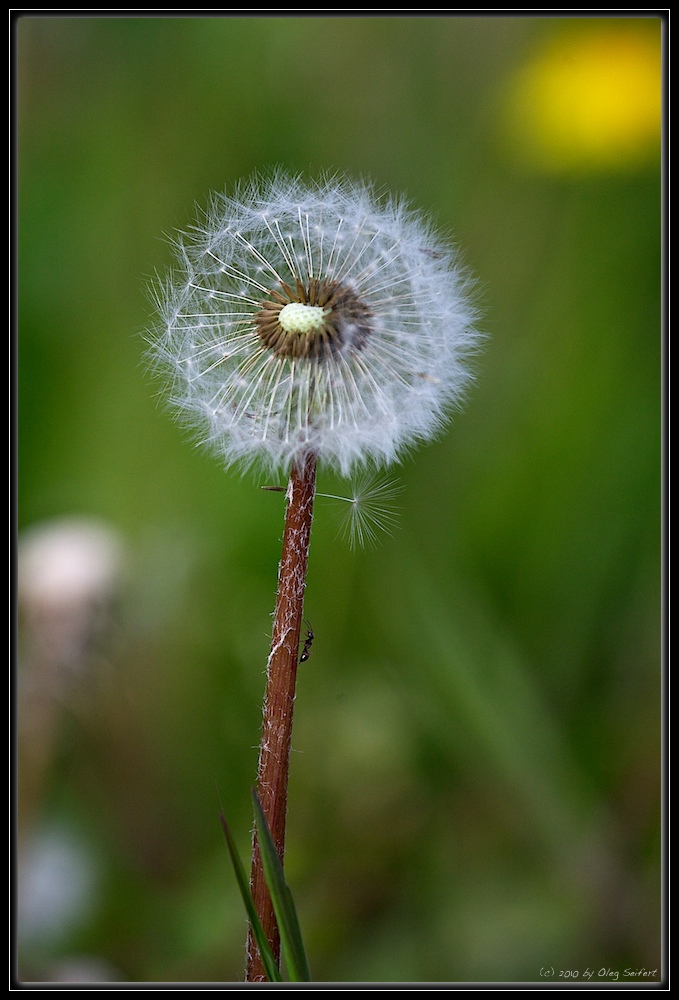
(371,508)
(313,319)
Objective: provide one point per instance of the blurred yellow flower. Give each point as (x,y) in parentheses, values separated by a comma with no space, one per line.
(589,100)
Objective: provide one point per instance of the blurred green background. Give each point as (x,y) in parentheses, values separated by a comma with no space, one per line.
(475,788)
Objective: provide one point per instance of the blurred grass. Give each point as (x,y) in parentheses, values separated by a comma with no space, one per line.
(475,791)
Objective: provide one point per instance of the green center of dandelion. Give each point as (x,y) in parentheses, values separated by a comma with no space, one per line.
(313,321)
(299,318)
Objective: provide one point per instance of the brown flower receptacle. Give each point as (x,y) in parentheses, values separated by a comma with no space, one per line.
(337,318)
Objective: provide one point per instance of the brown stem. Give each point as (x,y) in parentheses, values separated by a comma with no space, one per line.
(274,752)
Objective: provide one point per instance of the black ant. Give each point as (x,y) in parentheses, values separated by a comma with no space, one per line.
(308,640)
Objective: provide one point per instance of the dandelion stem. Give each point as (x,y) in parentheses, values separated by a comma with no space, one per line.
(274,753)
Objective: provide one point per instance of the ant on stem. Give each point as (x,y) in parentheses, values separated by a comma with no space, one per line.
(308,640)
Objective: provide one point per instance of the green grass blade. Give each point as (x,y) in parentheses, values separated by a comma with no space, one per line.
(268,960)
(281,897)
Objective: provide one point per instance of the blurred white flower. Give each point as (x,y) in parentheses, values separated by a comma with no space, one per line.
(68,563)
(69,580)
(69,574)
(57,881)
(313,319)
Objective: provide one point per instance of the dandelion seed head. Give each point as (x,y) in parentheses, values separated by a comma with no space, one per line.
(313,318)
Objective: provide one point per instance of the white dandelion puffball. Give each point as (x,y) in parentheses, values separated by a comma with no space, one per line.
(313,319)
